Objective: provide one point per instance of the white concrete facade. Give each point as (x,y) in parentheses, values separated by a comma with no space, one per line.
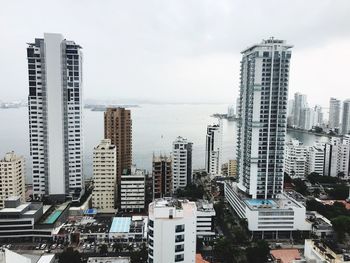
(55,116)
(337,157)
(263,118)
(181,163)
(172,231)
(213,150)
(345,124)
(132,190)
(295,159)
(205,219)
(104,194)
(12,177)
(315,159)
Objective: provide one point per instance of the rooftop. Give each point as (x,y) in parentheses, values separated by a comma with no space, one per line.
(108,260)
(285,255)
(120,225)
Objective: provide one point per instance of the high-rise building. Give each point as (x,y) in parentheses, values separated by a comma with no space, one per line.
(300,103)
(232,168)
(104,194)
(263,118)
(182,163)
(258,196)
(318,121)
(307,119)
(295,159)
(132,190)
(315,159)
(118,128)
(172,231)
(345,124)
(162,176)
(334,113)
(213,149)
(55,116)
(12,177)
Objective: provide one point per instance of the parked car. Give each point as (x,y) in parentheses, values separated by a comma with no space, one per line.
(54,246)
(38,247)
(43,246)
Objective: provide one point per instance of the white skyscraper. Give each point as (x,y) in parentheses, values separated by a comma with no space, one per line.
(334,113)
(307,119)
(258,196)
(318,121)
(182,163)
(315,159)
(172,231)
(12,177)
(104,195)
(55,116)
(345,124)
(263,118)
(337,156)
(213,151)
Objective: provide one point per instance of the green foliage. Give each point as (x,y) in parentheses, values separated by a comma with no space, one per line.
(103,249)
(258,253)
(341,225)
(339,192)
(329,211)
(322,179)
(300,186)
(191,191)
(139,256)
(70,256)
(223,249)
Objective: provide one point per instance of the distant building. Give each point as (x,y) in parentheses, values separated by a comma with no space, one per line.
(172,231)
(182,163)
(55,116)
(118,128)
(307,119)
(162,176)
(205,219)
(318,121)
(12,177)
(334,113)
(132,190)
(295,159)
(319,252)
(300,103)
(104,194)
(345,126)
(315,159)
(232,168)
(213,149)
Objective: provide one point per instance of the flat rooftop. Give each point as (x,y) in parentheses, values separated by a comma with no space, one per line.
(120,225)
(17,209)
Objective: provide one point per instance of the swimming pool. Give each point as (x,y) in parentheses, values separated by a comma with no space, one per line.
(53,217)
(259,202)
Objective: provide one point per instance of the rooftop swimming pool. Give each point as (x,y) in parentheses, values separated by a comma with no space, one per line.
(53,217)
(259,202)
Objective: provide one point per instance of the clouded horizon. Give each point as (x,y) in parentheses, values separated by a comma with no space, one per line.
(180,51)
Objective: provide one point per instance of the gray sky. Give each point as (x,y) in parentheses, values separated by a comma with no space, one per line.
(183,50)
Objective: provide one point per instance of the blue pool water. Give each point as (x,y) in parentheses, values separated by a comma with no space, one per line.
(258,202)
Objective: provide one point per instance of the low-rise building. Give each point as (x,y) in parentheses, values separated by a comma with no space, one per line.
(320,226)
(205,219)
(268,218)
(318,252)
(132,190)
(108,260)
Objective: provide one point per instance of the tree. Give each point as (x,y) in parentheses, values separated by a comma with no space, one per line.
(339,192)
(117,247)
(223,250)
(300,186)
(341,225)
(140,256)
(70,256)
(258,253)
(103,249)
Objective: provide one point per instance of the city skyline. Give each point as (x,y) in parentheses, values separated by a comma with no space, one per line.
(163,41)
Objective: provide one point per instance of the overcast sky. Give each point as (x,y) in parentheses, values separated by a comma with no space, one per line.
(183,50)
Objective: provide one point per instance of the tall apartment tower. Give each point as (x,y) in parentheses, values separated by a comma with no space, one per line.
(172,231)
(118,128)
(12,177)
(182,163)
(55,116)
(295,159)
(337,156)
(162,176)
(104,195)
(315,159)
(345,124)
(213,154)
(300,103)
(263,118)
(334,113)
